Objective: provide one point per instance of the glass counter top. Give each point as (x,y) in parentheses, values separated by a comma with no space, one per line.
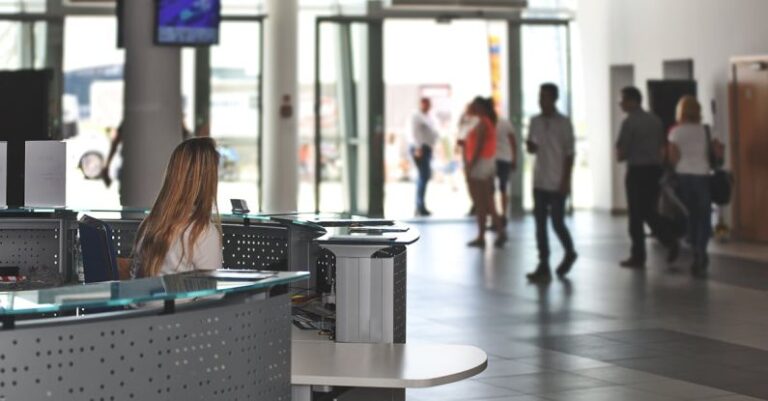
(122,293)
(370,234)
(332,219)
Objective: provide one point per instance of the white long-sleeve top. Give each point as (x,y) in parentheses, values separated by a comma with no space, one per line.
(208,254)
(423,131)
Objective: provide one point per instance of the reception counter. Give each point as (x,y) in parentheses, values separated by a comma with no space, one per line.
(198,337)
(189,336)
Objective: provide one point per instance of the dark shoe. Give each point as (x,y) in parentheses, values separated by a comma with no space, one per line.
(700,265)
(478,243)
(542,273)
(501,239)
(633,263)
(673,251)
(698,271)
(423,213)
(567,264)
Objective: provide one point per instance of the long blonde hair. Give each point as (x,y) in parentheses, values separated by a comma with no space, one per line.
(187,201)
(688,110)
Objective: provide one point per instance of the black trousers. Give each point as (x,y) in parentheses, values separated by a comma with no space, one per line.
(550,204)
(642,185)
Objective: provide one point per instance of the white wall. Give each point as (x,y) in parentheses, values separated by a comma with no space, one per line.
(645,33)
(591,90)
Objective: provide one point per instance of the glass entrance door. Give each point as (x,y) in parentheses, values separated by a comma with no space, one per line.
(349,110)
(464,58)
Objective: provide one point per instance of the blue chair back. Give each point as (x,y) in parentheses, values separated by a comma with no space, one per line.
(98,249)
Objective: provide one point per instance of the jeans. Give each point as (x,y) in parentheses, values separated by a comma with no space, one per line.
(694,193)
(642,186)
(552,203)
(503,170)
(424,167)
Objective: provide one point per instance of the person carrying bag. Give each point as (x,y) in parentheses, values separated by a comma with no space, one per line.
(670,207)
(691,152)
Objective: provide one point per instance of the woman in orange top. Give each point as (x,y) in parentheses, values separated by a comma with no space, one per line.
(480,163)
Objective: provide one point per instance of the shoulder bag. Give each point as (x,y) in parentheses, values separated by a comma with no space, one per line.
(720,181)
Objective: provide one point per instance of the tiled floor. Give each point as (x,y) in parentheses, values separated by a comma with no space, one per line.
(605,333)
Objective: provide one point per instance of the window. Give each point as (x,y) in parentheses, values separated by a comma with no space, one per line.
(29,6)
(92,108)
(22,45)
(545,59)
(235,75)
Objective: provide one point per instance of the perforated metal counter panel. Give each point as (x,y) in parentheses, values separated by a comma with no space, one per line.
(233,349)
(261,247)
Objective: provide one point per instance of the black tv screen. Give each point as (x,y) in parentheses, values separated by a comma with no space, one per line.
(188,22)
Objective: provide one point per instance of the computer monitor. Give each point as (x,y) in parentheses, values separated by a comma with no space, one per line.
(187,22)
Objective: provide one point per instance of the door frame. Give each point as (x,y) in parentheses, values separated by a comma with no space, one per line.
(735,137)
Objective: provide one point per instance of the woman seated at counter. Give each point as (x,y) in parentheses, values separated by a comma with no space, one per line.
(183,231)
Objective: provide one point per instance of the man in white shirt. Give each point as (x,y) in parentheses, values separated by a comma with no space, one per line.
(551,139)
(424,135)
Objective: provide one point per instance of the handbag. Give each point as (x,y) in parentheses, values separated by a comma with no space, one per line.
(720,180)
(670,208)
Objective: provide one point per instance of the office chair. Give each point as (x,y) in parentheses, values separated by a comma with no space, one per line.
(98,248)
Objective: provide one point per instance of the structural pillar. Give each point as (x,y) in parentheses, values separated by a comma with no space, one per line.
(202,118)
(152,116)
(515,104)
(281,134)
(54,59)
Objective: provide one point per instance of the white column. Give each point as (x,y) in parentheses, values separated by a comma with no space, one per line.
(152,106)
(281,135)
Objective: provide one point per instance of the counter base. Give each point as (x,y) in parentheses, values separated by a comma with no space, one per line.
(238,347)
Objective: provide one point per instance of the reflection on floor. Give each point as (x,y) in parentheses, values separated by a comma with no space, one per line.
(605,333)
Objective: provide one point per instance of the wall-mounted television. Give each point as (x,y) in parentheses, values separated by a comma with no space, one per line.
(187,22)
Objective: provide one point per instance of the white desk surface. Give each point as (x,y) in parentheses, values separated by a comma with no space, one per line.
(322,362)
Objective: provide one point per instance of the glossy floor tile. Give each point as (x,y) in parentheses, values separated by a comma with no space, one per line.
(604,332)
